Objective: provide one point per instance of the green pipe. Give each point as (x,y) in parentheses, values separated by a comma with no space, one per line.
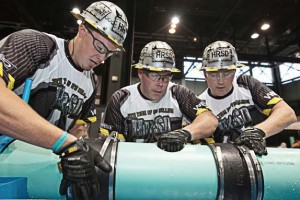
(142,171)
(145,171)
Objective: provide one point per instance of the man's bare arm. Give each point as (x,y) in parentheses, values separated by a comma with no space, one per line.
(20,121)
(282,115)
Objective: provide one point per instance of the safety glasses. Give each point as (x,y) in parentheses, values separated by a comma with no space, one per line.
(218,75)
(100,47)
(154,76)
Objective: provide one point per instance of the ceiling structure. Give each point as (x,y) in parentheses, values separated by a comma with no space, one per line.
(206,20)
(231,20)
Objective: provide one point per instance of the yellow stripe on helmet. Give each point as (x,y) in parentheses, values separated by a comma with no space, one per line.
(216,68)
(156,69)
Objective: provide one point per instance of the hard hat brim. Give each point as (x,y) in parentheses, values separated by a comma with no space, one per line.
(156,69)
(214,69)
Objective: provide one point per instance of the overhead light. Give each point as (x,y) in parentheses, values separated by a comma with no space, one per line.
(254,35)
(264,63)
(79,21)
(172,30)
(265,27)
(195,39)
(173,26)
(76,10)
(175,20)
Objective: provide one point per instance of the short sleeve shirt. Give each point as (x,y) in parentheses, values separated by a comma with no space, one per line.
(248,103)
(140,119)
(61,92)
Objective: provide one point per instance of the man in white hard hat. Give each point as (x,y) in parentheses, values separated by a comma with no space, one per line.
(63,90)
(247,110)
(153,109)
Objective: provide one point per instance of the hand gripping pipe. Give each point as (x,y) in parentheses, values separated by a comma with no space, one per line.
(143,171)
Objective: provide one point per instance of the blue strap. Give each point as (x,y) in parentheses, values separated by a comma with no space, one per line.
(60,141)
(27,90)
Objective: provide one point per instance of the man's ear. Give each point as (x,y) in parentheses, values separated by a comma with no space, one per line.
(140,72)
(82,30)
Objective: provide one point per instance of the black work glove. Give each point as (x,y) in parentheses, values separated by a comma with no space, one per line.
(174,141)
(254,139)
(78,161)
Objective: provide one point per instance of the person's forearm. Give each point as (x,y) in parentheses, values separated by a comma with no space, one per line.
(19,121)
(203,126)
(281,117)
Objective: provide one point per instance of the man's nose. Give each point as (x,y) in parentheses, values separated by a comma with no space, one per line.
(220,78)
(160,82)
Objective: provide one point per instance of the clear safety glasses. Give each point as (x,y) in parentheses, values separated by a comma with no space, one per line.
(100,47)
(218,75)
(154,76)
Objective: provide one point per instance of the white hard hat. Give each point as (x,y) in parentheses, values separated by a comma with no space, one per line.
(220,55)
(157,56)
(108,19)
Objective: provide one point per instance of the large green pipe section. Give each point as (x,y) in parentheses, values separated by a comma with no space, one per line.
(143,171)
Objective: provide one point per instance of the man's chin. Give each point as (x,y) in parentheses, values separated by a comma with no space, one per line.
(157,97)
(221,93)
(90,67)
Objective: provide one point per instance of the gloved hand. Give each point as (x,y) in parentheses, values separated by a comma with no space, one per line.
(174,141)
(254,139)
(78,161)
